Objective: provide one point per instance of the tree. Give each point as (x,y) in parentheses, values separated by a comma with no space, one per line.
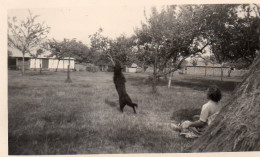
(238,120)
(82,53)
(178,32)
(121,49)
(101,46)
(26,35)
(56,49)
(172,36)
(234,35)
(61,49)
(70,49)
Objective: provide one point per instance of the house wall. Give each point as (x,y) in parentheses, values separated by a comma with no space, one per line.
(12,63)
(66,63)
(55,63)
(52,63)
(35,63)
(19,63)
(131,70)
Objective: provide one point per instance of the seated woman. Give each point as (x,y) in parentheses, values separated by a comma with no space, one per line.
(208,113)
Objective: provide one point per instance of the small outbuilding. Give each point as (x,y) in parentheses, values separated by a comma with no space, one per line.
(132,69)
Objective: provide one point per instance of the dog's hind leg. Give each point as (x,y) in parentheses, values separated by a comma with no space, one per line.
(122,105)
(133,105)
(134,109)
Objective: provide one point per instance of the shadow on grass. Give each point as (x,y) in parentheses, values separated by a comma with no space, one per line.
(112,103)
(58,141)
(203,84)
(196,83)
(37,73)
(185,114)
(147,140)
(17,87)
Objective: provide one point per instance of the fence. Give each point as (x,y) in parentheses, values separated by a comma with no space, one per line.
(212,71)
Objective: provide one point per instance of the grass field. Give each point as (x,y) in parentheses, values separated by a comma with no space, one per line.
(48,116)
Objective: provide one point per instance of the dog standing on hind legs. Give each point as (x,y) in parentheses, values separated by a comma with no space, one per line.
(119,81)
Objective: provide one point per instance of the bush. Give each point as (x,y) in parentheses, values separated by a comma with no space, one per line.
(92,69)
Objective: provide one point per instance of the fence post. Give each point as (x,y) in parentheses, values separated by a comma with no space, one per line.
(40,68)
(221,72)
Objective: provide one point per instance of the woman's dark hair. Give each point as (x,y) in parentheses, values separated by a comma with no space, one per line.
(214,93)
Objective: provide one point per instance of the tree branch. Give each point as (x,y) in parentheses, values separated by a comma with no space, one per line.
(111,59)
(182,60)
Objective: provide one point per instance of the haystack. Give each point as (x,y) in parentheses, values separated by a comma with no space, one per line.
(237,127)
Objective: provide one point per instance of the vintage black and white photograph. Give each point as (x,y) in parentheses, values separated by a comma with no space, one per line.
(133,78)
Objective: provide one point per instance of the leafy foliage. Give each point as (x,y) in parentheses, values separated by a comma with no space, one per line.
(121,49)
(56,49)
(175,34)
(234,35)
(179,32)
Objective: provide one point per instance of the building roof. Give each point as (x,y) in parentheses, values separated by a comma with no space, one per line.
(17,53)
(14,52)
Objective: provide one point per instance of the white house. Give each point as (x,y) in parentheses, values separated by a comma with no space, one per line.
(42,61)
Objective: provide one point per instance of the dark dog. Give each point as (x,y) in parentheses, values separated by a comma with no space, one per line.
(119,81)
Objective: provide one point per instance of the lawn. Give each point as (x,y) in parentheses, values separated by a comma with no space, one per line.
(47,116)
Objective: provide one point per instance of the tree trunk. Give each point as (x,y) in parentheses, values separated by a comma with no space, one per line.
(154,79)
(221,72)
(170,80)
(170,76)
(40,68)
(68,80)
(35,64)
(63,65)
(143,67)
(213,70)
(236,128)
(23,65)
(16,64)
(165,70)
(57,65)
(155,74)
(206,70)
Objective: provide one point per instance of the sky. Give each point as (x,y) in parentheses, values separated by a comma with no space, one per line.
(81,22)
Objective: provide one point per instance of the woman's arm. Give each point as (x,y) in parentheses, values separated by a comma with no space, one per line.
(197,123)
